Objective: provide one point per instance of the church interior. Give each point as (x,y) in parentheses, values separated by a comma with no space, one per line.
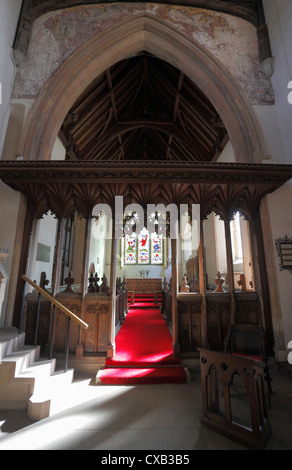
(146,225)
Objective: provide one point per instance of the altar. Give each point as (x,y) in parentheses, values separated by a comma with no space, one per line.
(141,285)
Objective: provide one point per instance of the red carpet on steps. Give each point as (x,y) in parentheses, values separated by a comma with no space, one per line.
(143,350)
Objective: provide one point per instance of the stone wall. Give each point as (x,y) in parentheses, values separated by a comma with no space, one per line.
(56,35)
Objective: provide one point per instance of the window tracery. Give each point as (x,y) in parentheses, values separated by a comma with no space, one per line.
(143,248)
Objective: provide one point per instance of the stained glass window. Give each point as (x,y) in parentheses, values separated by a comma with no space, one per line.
(130,249)
(144,248)
(156,249)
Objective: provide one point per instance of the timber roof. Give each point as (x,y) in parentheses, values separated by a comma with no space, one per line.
(143,108)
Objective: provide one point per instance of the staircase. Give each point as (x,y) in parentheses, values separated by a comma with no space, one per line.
(26,380)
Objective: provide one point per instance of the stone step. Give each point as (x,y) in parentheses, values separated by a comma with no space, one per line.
(27,381)
(50,395)
(22,358)
(139,375)
(21,372)
(140,305)
(10,340)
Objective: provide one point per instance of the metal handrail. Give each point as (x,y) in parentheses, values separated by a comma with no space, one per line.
(57,304)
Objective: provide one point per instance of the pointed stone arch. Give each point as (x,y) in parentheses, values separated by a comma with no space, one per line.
(136,34)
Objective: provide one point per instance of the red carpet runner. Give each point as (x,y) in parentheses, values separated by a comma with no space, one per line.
(143,350)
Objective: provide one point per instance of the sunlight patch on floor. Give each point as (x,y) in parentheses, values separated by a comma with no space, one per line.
(88,406)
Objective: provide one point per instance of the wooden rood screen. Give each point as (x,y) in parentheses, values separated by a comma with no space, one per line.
(234,400)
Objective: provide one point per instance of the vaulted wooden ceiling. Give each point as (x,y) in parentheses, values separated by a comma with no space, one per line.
(143,108)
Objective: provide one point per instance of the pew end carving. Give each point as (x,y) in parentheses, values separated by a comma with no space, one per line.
(236,410)
(248,341)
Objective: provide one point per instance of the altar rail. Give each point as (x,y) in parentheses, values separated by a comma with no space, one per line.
(236,410)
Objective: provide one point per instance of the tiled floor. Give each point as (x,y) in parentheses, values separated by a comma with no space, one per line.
(150,417)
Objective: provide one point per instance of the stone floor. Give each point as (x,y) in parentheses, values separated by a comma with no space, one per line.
(150,417)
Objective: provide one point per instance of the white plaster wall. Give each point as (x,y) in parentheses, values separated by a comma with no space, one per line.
(59,152)
(97,247)
(220,245)
(276,122)
(269,123)
(279,19)
(227,154)
(134,271)
(9,201)
(9,13)
(247,257)
(281,225)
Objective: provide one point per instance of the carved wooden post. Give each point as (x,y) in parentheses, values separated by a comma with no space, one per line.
(256,264)
(57,257)
(202,284)
(112,313)
(261,277)
(174,288)
(56,274)
(84,280)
